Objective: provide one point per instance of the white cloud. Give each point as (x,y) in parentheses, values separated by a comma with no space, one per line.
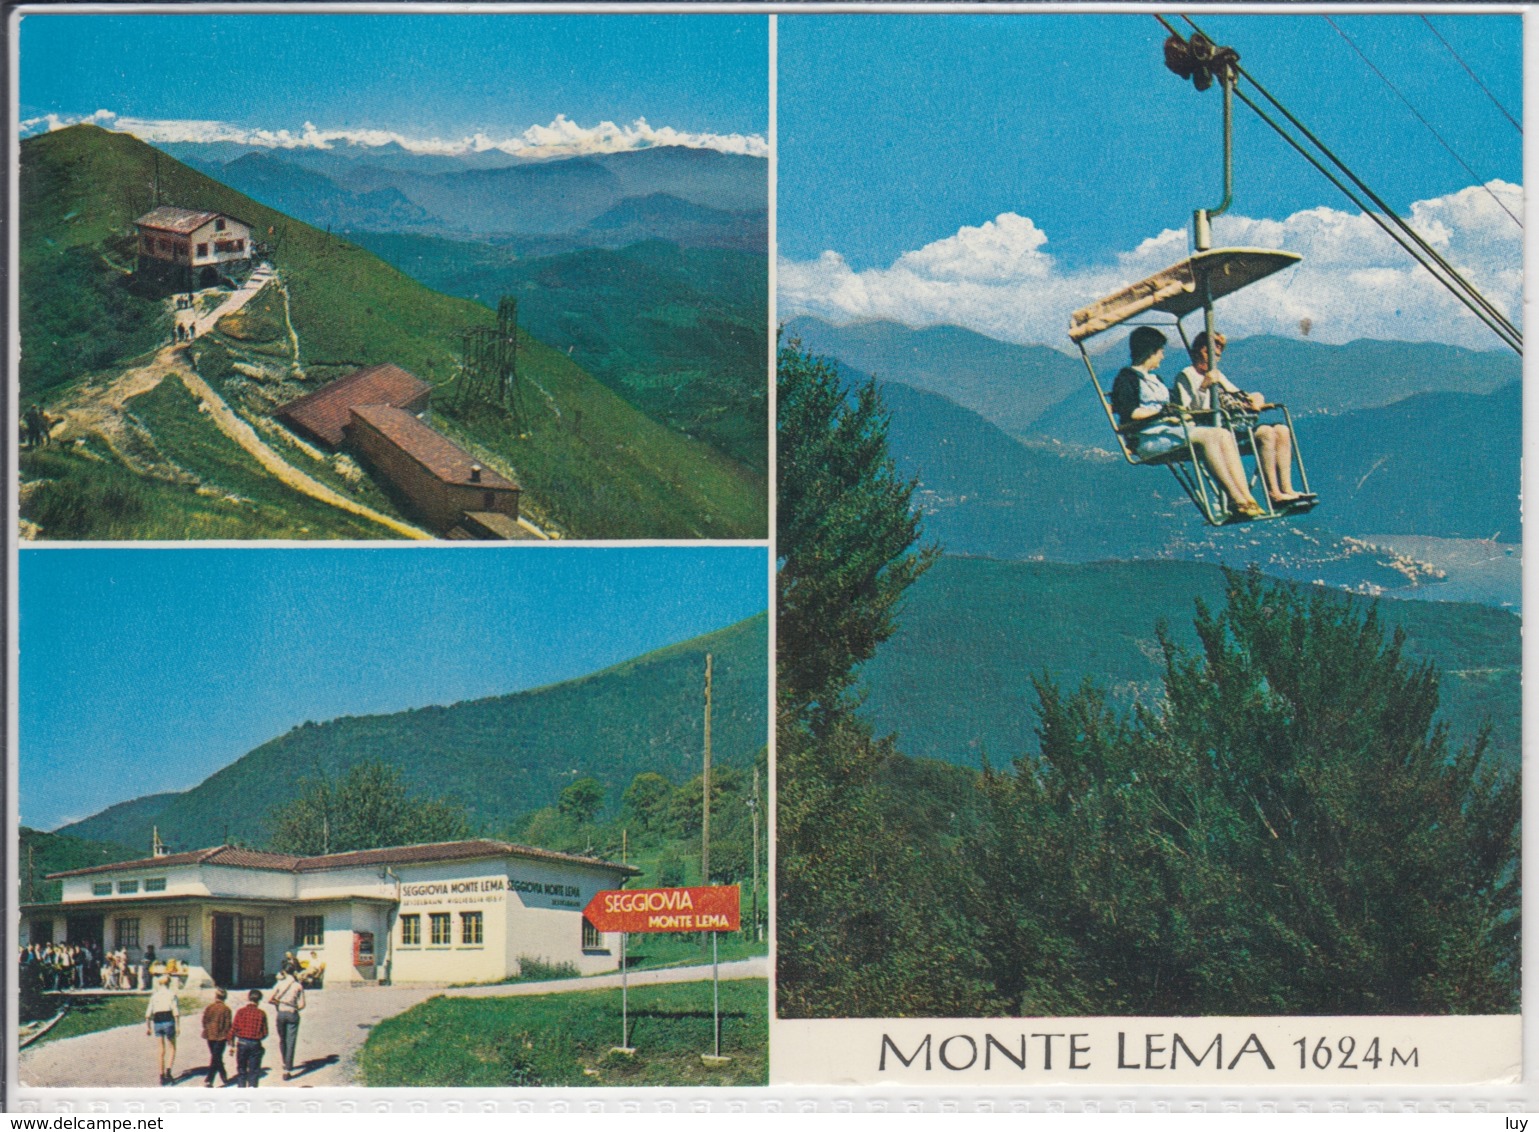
(1354,282)
(561,138)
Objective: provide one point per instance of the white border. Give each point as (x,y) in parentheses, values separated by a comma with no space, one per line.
(1148,1099)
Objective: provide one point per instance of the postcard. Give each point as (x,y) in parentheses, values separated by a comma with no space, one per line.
(765,548)
(468,278)
(384,818)
(1149,639)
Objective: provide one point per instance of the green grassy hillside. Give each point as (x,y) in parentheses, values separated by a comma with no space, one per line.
(592,465)
(126,823)
(678,332)
(565,1039)
(40,854)
(502,757)
(955,681)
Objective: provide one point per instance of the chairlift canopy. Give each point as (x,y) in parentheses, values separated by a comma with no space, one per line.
(1179,289)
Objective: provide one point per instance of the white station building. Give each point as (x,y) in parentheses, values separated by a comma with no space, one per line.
(452,912)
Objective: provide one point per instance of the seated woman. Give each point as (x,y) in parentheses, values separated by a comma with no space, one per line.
(1141,403)
(1274,443)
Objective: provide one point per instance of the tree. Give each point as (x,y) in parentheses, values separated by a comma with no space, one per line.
(846,529)
(851,873)
(1289,833)
(369,808)
(646,801)
(581,801)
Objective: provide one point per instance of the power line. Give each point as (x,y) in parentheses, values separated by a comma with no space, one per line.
(1477,304)
(1516,125)
(1441,140)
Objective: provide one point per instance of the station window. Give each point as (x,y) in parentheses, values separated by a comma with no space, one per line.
(439,926)
(411,931)
(101,888)
(127,931)
(592,939)
(219,225)
(202,250)
(309,931)
(125,886)
(155,884)
(176,932)
(470,928)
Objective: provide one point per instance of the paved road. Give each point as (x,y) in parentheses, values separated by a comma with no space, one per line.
(336,1022)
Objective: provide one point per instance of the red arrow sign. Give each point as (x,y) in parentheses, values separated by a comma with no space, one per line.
(714,909)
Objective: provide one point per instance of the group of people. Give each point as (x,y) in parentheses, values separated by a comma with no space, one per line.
(247,1029)
(62,966)
(82,966)
(1205,398)
(36,427)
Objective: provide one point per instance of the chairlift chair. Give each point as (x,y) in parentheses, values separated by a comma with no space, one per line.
(1180,290)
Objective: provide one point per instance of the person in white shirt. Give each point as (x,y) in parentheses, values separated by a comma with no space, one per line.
(289,999)
(160,1019)
(1195,390)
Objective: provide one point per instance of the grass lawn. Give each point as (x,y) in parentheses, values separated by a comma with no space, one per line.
(191,440)
(90,1013)
(666,949)
(565,1039)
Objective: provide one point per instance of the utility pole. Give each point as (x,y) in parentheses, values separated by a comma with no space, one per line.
(705,820)
(753,820)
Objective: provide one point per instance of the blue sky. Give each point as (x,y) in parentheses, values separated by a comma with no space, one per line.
(445,75)
(145,670)
(997,172)
(895,131)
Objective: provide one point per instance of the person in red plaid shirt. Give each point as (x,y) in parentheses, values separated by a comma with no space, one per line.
(249,1028)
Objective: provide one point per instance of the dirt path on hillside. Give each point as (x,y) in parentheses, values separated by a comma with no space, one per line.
(229,423)
(335,1025)
(100,409)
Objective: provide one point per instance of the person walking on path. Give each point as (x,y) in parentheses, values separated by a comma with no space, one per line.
(249,1028)
(217,1023)
(289,997)
(160,1020)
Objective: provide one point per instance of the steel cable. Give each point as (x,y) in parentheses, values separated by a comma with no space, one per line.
(1455,282)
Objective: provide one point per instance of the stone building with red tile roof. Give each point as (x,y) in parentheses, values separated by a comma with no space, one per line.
(325,414)
(439,481)
(450,912)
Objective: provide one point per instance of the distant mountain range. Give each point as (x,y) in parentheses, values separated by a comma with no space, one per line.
(697,197)
(651,266)
(1009,386)
(1027,478)
(954,683)
(1037,391)
(502,757)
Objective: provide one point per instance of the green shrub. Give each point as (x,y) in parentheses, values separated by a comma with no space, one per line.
(78,508)
(533,969)
(670,872)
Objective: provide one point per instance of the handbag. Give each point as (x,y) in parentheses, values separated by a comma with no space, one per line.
(1236,406)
